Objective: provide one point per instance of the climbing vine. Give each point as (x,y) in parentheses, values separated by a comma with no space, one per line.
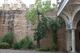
(37,15)
(40,32)
(51,24)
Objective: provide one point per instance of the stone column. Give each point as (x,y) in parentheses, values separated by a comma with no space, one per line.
(73,39)
(68,37)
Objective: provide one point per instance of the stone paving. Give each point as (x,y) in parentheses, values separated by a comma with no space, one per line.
(23,51)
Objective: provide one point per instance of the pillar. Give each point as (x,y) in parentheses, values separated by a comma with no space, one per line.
(68,37)
(73,39)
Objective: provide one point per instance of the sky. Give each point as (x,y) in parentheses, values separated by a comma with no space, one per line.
(27,2)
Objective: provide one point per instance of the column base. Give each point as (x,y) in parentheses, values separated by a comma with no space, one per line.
(72,52)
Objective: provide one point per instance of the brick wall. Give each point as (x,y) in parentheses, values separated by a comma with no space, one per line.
(47,41)
(62,39)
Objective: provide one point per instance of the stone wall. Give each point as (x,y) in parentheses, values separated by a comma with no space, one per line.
(2,28)
(62,39)
(47,41)
(23,28)
(20,26)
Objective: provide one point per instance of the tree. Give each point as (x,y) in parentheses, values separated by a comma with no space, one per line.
(36,14)
(39,9)
(40,32)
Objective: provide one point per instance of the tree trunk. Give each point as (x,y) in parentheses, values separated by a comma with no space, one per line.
(38,43)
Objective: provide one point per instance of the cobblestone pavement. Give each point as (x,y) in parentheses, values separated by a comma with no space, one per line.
(23,51)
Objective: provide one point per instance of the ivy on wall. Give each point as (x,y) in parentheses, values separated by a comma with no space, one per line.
(51,24)
(37,15)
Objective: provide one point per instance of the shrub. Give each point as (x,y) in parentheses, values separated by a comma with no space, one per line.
(25,43)
(8,38)
(16,45)
(43,49)
(4,45)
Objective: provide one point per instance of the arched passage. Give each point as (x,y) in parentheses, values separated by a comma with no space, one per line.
(64,34)
(76,19)
(76,25)
(77,37)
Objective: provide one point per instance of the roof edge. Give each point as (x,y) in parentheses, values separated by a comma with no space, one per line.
(62,7)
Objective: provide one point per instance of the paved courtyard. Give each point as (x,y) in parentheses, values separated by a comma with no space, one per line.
(23,51)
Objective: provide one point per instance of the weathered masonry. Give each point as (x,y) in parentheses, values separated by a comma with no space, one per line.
(69,10)
(12,19)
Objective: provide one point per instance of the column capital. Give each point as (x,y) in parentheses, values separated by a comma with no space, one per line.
(73,28)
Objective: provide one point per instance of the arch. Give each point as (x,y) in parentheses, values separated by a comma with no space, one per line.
(63,30)
(77,37)
(76,19)
(66,18)
(75,12)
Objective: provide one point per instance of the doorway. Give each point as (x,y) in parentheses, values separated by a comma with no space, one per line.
(77,37)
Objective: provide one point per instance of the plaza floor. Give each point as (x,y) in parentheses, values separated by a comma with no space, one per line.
(23,51)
